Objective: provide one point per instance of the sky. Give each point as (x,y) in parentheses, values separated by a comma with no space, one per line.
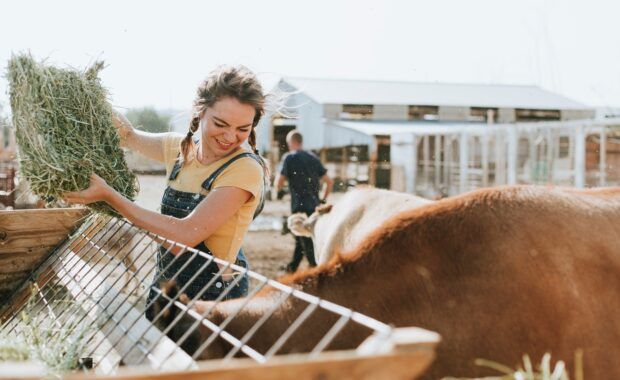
(157,52)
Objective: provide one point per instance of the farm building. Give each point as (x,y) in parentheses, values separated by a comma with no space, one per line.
(443,139)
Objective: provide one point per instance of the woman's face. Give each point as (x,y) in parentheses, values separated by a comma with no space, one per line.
(225,126)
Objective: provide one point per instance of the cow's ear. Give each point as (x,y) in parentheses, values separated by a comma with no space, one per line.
(323,209)
(297,224)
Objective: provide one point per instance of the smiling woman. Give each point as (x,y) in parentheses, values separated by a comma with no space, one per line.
(215,187)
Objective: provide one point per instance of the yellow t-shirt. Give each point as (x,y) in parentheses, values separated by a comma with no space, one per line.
(245,173)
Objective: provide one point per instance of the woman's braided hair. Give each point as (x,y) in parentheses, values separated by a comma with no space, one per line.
(226,81)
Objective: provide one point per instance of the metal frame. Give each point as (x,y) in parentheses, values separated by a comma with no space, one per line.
(82,270)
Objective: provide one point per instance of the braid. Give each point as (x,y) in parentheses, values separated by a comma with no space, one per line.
(188,142)
(252,141)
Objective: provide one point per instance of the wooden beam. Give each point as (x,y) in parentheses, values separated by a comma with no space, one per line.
(405,364)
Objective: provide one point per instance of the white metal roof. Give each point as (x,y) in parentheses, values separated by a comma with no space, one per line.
(388,128)
(423,128)
(337,91)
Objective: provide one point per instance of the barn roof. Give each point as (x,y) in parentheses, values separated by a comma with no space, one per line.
(423,128)
(388,128)
(339,91)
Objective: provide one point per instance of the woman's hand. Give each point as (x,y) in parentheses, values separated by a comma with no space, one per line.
(122,125)
(98,191)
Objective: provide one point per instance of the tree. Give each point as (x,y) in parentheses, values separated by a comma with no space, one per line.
(148,119)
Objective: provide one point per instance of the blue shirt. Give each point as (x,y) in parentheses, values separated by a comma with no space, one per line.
(303,171)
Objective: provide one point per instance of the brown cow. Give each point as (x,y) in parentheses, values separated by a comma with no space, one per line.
(497,272)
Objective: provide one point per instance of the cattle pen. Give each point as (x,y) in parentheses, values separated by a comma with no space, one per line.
(80,281)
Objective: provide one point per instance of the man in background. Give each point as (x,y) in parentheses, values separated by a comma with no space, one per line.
(305,175)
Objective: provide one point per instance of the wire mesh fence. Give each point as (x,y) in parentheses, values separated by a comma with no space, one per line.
(86,307)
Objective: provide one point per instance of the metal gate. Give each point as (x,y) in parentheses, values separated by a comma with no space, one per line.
(89,299)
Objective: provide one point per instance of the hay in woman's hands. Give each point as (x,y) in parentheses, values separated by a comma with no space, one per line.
(64,131)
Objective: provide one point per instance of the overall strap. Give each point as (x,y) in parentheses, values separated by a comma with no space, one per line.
(176,168)
(208,183)
(178,163)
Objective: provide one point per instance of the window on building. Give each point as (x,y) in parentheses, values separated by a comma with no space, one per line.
(423,113)
(356,111)
(536,115)
(481,114)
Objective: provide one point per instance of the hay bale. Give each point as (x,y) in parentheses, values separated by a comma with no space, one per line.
(64,130)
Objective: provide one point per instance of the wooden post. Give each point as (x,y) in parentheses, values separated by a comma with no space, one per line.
(463,161)
(550,154)
(448,162)
(414,153)
(532,156)
(484,140)
(580,156)
(500,158)
(426,157)
(437,161)
(512,155)
(602,165)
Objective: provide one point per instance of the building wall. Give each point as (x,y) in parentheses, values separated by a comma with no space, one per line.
(403,155)
(310,122)
(390,112)
(332,111)
(338,136)
(577,114)
(506,115)
(453,113)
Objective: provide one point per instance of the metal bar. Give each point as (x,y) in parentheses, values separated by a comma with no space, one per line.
(331,334)
(86,263)
(161,312)
(250,333)
(291,330)
(118,278)
(225,323)
(189,331)
(58,257)
(148,274)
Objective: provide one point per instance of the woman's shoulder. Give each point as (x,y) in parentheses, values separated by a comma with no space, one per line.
(248,161)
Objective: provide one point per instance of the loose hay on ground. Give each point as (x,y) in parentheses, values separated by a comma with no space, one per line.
(64,130)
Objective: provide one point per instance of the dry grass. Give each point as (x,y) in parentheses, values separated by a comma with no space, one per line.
(57,343)
(527,372)
(64,130)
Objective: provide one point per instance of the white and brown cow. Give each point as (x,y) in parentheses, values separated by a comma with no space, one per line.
(339,228)
(497,272)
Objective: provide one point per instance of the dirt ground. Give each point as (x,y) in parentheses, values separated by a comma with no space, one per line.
(264,245)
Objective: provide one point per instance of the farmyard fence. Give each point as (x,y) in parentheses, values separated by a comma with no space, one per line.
(86,303)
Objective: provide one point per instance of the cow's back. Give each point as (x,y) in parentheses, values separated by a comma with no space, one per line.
(358,213)
(498,273)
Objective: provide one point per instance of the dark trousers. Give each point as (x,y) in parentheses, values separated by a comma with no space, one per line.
(303,247)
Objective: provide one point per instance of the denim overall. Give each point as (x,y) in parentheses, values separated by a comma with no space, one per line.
(179,204)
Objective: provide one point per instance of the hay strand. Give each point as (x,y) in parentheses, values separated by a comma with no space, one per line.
(64,131)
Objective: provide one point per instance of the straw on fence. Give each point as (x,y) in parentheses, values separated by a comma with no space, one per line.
(64,130)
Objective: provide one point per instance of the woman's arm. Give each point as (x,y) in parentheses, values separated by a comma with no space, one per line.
(210,214)
(145,143)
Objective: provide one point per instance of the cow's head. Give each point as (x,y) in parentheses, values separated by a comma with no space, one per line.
(302,225)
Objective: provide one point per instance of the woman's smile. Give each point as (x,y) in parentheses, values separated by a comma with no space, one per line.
(223,144)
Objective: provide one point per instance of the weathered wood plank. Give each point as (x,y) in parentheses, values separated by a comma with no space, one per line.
(29,230)
(331,365)
(26,236)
